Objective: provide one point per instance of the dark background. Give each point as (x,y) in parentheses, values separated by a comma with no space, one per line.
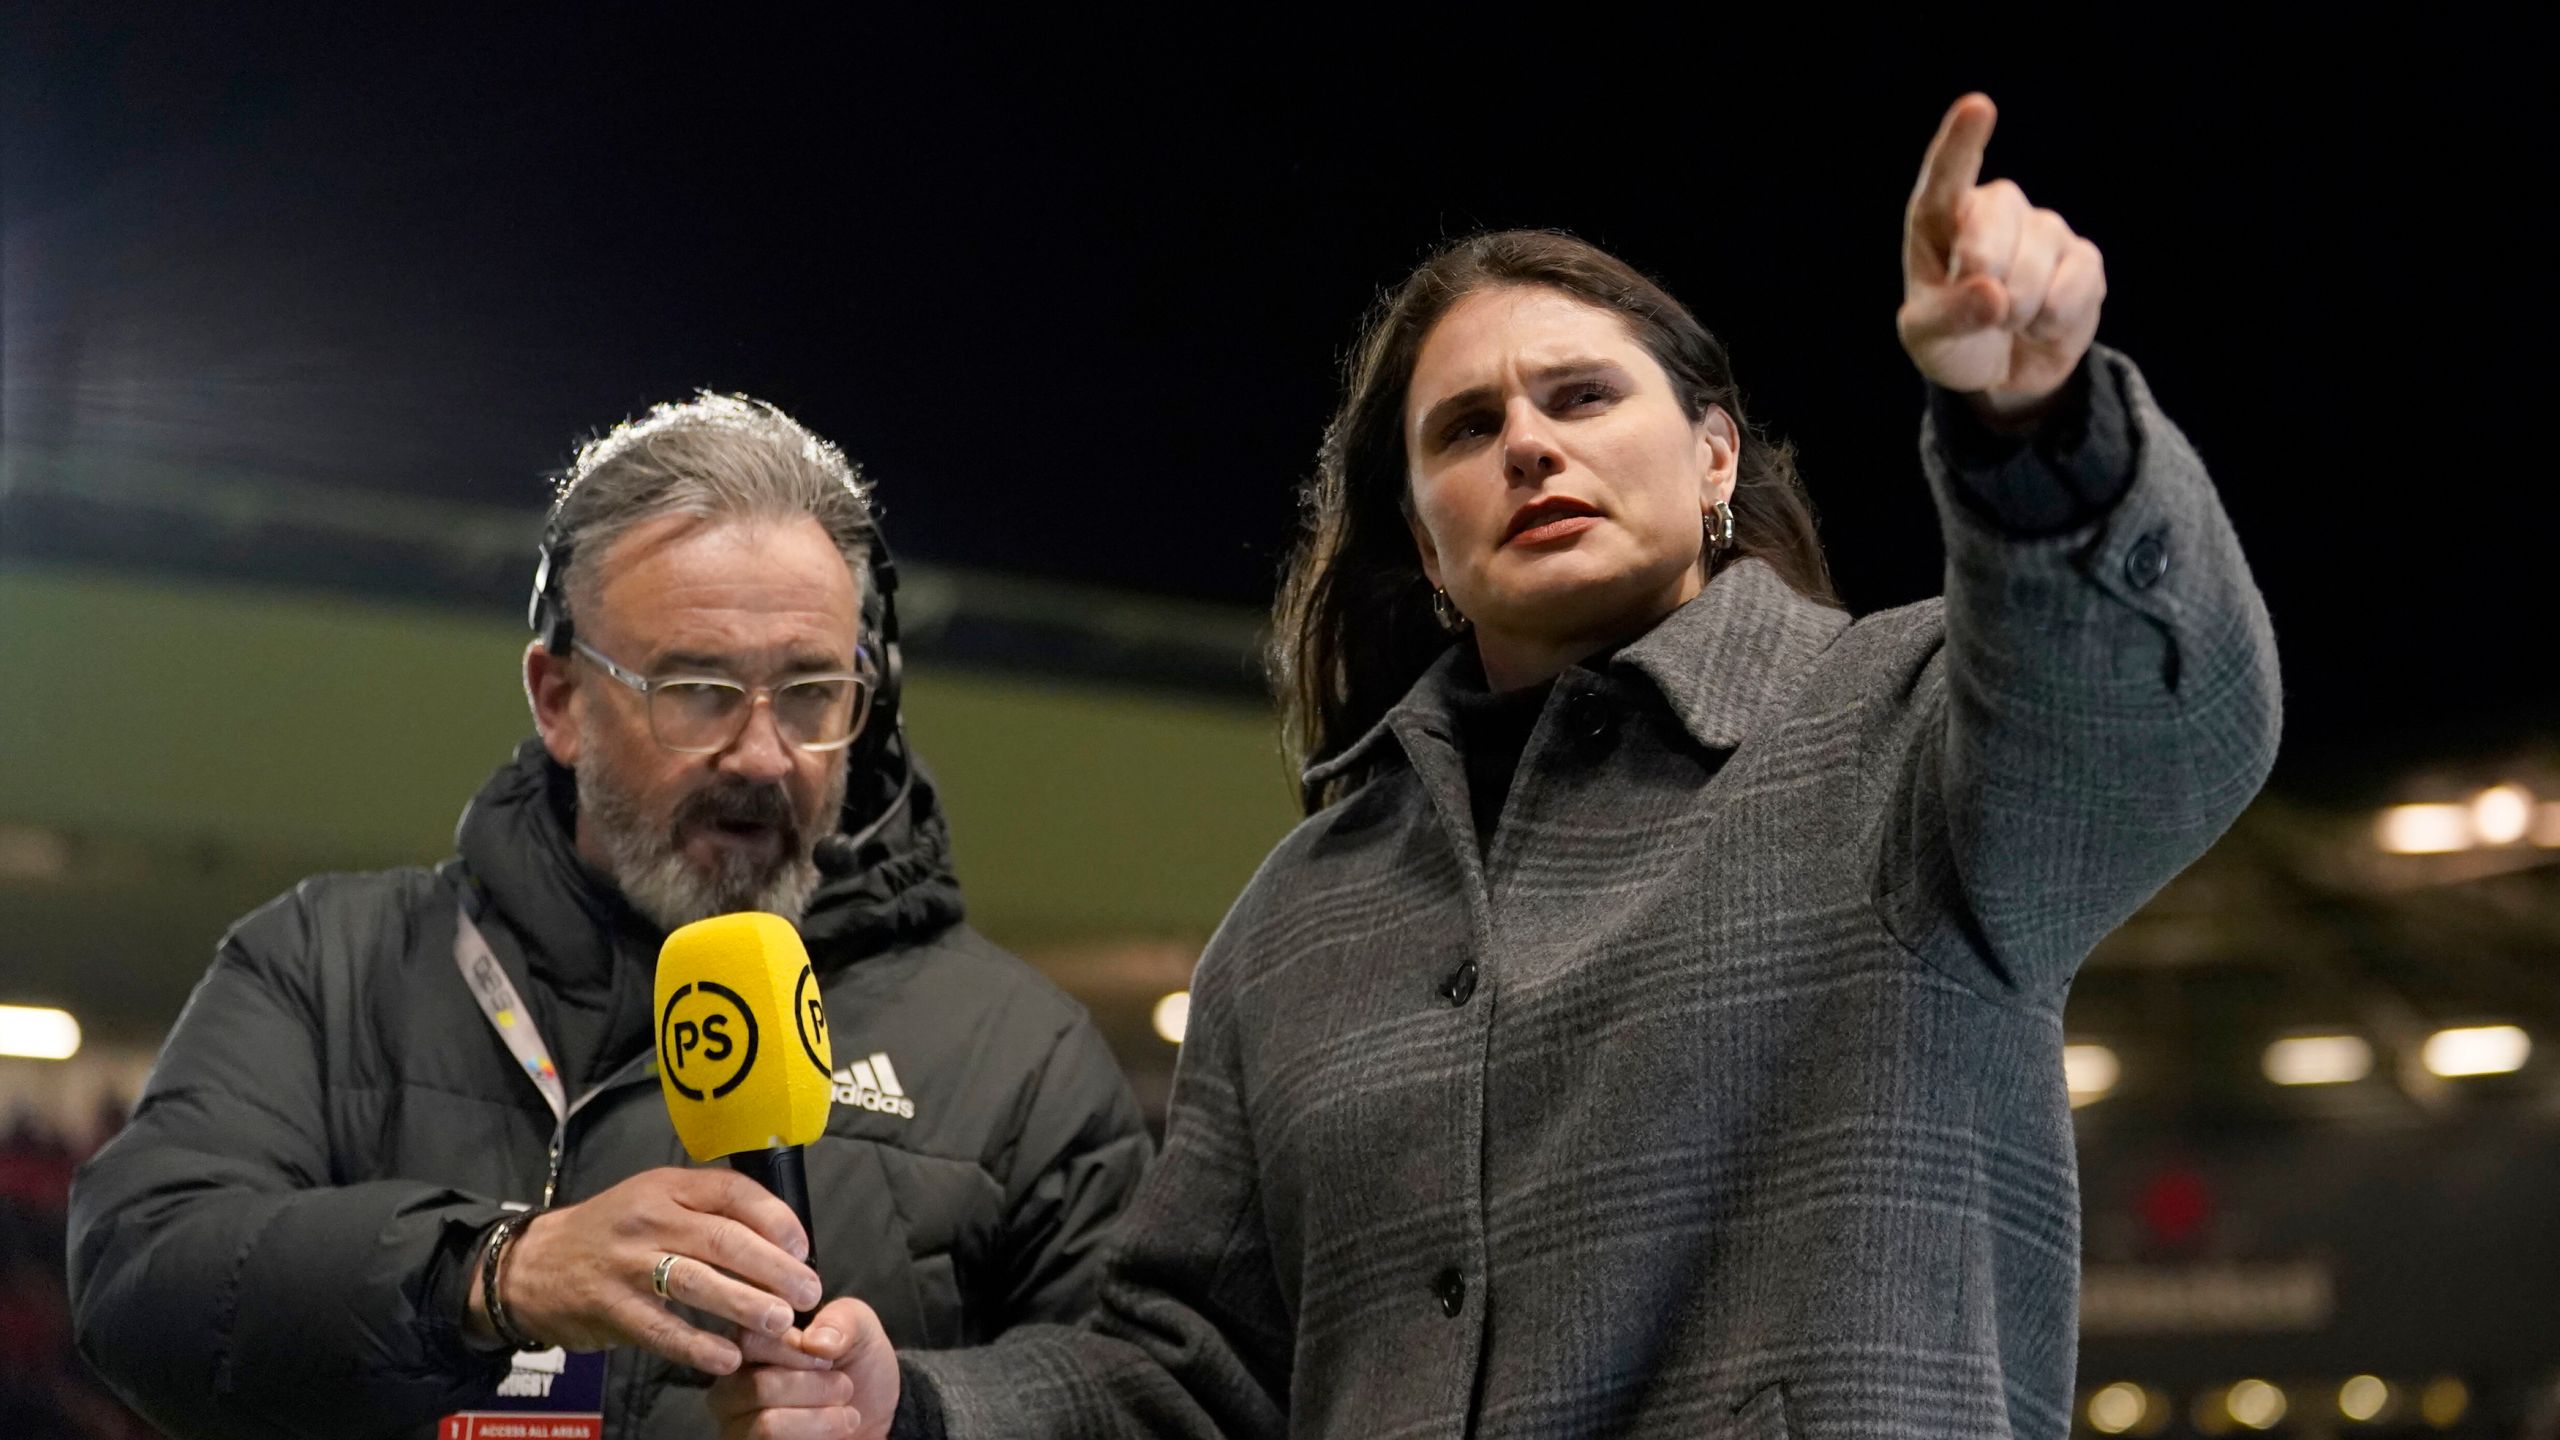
(1077,298)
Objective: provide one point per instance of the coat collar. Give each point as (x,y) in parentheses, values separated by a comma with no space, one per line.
(1721,662)
(1729,658)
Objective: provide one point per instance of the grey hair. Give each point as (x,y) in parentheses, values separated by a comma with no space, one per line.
(716,456)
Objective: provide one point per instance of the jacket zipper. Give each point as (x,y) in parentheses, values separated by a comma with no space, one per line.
(559,1148)
(557,1161)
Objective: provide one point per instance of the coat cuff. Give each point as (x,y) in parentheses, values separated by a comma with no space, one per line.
(919,1414)
(2161,549)
(2069,470)
(444,1324)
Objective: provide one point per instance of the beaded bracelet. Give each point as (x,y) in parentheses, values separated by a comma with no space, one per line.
(491,1259)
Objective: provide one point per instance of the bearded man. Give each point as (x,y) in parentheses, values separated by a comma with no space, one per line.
(392,1089)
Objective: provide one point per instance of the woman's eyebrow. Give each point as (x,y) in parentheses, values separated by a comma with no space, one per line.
(1473,396)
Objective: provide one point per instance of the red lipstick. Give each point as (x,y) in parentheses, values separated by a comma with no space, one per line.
(1549,518)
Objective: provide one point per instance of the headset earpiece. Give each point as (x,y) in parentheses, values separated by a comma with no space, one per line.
(884,700)
(549,612)
(883,741)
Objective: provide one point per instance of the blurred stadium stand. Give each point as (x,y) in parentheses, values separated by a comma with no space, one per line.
(218,687)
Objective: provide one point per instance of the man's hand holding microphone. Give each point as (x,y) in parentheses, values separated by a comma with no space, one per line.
(744,1062)
(583,1276)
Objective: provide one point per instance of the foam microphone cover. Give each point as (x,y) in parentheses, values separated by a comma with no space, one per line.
(742,1036)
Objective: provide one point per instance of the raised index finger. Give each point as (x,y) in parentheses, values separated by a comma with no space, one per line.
(1953,165)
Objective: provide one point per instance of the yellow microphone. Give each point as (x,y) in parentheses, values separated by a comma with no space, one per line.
(742,1050)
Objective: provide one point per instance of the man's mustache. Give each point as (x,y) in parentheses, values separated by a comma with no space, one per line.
(739,803)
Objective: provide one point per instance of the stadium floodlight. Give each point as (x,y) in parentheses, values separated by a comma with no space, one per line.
(2117,1408)
(2363,1397)
(2501,815)
(33,1032)
(2319,1060)
(1173,1016)
(2256,1404)
(2424,829)
(2477,1050)
(2090,1071)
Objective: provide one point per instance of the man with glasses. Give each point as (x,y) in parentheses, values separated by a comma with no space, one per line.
(393,1090)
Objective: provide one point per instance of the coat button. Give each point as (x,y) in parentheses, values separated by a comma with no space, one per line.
(1587,718)
(1451,1288)
(2146,562)
(1461,984)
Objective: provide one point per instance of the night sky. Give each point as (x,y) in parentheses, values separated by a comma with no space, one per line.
(1077,299)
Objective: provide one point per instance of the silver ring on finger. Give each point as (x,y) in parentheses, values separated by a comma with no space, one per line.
(658,1276)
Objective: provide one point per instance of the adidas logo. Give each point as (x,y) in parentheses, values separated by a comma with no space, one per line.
(873,1085)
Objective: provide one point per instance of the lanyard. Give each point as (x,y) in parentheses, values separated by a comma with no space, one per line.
(514,1024)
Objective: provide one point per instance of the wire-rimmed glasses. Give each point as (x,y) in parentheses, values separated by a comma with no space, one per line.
(705,714)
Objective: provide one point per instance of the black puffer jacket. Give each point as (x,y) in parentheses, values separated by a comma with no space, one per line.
(275,1245)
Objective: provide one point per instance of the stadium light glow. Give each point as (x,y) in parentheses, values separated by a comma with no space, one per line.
(2256,1404)
(2477,1050)
(2501,815)
(33,1032)
(2318,1060)
(2444,1401)
(2424,829)
(2363,1397)
(2090,1071)
(2117,1408)
(1173,1016)
(2498,816)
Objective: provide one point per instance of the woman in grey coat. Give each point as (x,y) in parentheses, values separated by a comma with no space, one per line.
(1655,1026)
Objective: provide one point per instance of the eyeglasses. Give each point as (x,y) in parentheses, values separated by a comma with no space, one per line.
(703,714)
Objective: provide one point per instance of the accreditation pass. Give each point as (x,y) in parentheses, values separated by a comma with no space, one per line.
(547,1395)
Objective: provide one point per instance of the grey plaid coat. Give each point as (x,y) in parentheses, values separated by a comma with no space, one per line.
(1724,1096)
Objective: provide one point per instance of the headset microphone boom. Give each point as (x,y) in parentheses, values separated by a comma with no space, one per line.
(743,1056)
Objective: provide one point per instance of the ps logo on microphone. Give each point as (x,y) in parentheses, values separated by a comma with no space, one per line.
(809,1012)
(706,1040)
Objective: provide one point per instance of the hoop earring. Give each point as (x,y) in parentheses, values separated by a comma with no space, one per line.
(1446,613)
(1718,525)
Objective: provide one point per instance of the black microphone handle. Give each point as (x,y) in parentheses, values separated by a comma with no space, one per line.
(781,1171)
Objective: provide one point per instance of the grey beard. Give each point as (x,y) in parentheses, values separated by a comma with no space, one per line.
(649,865)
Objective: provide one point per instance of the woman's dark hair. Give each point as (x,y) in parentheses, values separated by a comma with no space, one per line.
(1353,629)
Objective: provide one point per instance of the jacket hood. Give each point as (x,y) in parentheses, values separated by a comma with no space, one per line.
(519,852)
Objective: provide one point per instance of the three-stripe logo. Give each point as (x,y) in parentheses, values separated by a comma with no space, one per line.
(873,1085)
